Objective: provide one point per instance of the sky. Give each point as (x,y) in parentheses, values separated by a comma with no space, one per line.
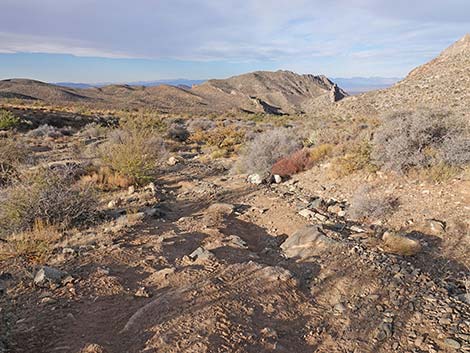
(142,40)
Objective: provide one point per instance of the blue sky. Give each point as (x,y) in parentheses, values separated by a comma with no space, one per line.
(120,40)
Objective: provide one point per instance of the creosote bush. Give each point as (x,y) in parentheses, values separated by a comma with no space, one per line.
(49,196)
(265,149)
(133,154)
(422,139)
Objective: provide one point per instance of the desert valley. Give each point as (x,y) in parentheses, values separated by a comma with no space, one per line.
(267,212)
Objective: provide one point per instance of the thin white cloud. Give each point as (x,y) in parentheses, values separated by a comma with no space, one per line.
(14,43)
(369,31)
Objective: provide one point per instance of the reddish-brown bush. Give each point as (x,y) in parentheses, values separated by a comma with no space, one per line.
(294,163)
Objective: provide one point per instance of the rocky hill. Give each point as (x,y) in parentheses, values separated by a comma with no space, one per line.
(443,82)
(280,92)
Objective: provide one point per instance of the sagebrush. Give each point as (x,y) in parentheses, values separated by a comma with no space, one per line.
(266,148)
(421,138)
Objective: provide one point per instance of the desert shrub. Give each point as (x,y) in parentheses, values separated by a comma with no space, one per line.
(267,148)
(223,140)
(133,154)
(142,121)
(33,245)
(440,172)
(365,205)
(357,158)
(94,131)
(178,132)
(200,124)
(294,163)
(8,120)
(45,131)
(320,152)
(106,179)
(12,154)
(421,138)
(48,196)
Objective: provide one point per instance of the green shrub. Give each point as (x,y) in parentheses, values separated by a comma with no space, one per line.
(8,120)
(132,153)
(12,154)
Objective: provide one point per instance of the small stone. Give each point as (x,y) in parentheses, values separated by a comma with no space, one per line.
(316,203)
(419,341)
(172,161)
(307,213)
(306,243)
(48,300)
(339,308)
(321,217)
(255,179)
(131,190)
(201,254)
(277,179)
(335,209)
(142,292)
(436,226)
(451,343)
(49,275)
(357,229)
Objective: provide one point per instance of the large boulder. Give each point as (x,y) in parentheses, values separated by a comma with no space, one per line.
(306,243)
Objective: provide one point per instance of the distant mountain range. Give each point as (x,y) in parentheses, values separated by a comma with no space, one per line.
(356,85)
(352,85)
(181,82)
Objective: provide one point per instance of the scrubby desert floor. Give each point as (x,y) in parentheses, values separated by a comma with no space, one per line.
(197,261)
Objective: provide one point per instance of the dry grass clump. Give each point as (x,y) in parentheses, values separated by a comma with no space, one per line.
(133,154)
(33,245)
(357,158)
(142,121)
(422,138)
(294,163)
(267,148)
(8,120)
(223,140)
(106,179)
(364,205)
(49,196)
(400,245)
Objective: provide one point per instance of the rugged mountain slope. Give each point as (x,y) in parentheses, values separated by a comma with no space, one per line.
(273,92)
(283,91)
(441,83)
